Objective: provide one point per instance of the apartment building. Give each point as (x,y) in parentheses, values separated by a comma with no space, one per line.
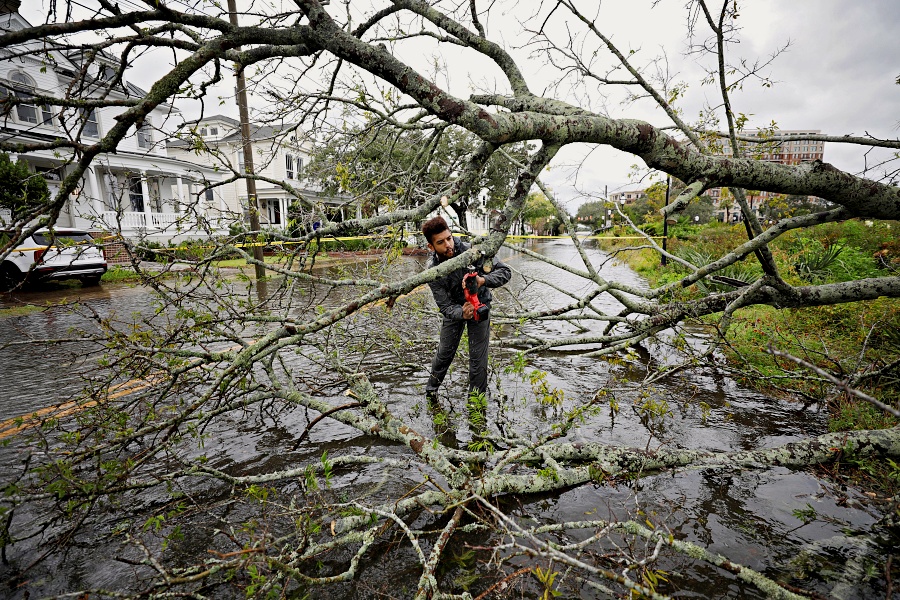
(771,148)
(627,196)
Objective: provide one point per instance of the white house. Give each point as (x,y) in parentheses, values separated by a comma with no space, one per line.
(280,154)
(478,216)
(138,191)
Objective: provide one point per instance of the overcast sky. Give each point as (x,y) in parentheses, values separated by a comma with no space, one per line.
(837,76)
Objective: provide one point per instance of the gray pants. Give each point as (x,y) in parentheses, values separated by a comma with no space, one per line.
(479,339)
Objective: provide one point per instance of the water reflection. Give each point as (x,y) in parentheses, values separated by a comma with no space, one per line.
(746,515)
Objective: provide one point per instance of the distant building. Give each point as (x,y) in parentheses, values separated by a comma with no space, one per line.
(787,153)
(627,196)
(770,149)
(139,191)
(280,154)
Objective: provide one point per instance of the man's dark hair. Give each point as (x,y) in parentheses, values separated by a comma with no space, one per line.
(434,226)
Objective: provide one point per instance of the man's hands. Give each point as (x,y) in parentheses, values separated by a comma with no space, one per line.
(468,309)
(478,278)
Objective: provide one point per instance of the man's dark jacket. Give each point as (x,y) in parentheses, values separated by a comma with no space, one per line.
(448,292)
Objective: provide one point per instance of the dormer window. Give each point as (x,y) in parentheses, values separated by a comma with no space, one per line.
(91,126)
(20,78)
(145,135)
(28,112)
(213,131)
(106,73)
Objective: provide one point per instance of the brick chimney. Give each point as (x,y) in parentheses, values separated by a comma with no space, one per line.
(9,6)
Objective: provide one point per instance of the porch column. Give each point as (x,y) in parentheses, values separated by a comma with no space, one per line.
(96,193)
(358,210)
(145,192)
(179,185)
(189,198)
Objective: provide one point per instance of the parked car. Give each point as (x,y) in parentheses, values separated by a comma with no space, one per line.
(52,255)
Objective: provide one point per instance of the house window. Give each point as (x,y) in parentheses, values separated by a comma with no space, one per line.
(213,131)
(145,135)
(136,194)
(203,131)
(28,112)
(208,194)
(48,173)
(91,126)
(289,165)
(299,167)
(240,161)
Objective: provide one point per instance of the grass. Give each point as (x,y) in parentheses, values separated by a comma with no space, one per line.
(844,339)
(119,275)
(19,310)
(240,262)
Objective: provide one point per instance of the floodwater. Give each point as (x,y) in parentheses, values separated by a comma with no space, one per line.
(746,515)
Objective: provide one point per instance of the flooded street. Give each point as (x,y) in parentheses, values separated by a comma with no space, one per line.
(747,515)
(49,329)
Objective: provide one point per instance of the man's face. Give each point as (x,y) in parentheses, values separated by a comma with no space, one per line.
(442,244)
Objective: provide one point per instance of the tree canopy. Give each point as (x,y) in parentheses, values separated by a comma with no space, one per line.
(393,167)
(594,212)
(21,191)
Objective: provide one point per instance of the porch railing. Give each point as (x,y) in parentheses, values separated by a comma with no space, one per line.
(131,221)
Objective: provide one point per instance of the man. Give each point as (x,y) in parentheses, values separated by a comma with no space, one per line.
(458,314)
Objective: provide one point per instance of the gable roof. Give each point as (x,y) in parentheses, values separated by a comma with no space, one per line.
(258,132)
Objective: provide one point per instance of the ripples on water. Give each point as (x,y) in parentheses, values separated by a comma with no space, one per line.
(746,515)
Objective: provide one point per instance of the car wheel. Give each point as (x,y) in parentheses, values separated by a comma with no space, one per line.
(90,280)
(10,278)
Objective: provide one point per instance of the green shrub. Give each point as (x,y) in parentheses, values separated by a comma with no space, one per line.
(742,271)
(814,261)
(855,263)
(21,191)
(652,228)
(150,251)
(193,250)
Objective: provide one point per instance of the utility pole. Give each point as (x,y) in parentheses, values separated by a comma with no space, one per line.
(248,151)
(665,220)
(608,220)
